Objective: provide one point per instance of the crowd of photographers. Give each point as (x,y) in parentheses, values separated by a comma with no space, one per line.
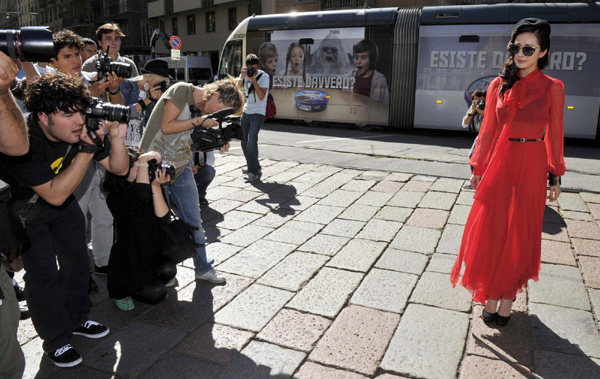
(101,142)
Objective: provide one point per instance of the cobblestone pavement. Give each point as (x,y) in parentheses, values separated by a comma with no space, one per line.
(343,273)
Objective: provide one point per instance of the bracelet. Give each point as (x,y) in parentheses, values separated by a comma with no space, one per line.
(138,164)
(115,93)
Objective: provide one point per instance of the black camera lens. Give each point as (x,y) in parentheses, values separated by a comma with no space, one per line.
(250,71)
(29,44)
(122,70)
(481,105)
(115,112)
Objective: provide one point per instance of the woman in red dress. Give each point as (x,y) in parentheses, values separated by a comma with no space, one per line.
(519,152)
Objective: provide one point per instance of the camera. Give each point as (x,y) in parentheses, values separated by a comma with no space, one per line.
(98,110)
(105,65)
(206,139)
(29,44)
(154,166)
(163,85)
(250,71)
(481,105)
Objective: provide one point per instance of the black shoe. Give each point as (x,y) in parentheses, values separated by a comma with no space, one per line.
(65,356)
(24,312)
(203,201)
(101,270)
(91,329)
(488,317)
(19,292)
(501,320)
(93,287)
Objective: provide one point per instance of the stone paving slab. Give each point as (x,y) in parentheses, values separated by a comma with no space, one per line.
(243,195)
(417,186)
(380,230)
(247,235)
(566,330)
(428,218)
(294,271)
(406,199)
(324,244)
(590,268)
(413,238)
(311,370)
(438,200)
(296,330)
(459,214)
(595,298)
(424,346)
(133,349)
(220,192)
(220,252)
(299,203)
(400,177)
(261,205)
(559,285)
(510,343)
(553,365)
(257,259)
(583,229)
(253,308)
(479,367)
(275,218)
(215,343)
(557,253)
(376,199)
(343,228)
(359,212)
(465,198)
(327,292)
(176,366)
(572,202)
(448,185)
(404,261)
(362,349)
(357,255)
(435,289)
(295,232)
(595,210)
(552,216)
(320,214)
(590,197)
(359,185)
(451,239)
(225,205)
(577,216)
(441,263)
(388,186)
(237,219)
(263,360)
(555,232)
(340,198)
(385,290)
(393,213)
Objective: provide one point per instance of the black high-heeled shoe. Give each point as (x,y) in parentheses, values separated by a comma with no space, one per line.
(502,320)
(487,317)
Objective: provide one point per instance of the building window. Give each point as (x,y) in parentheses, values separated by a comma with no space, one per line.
(175,26)
(191,24)
(122,6)
(211,22)
(161,24)
(232,18)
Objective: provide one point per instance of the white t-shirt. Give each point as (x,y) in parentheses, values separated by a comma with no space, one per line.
(254,105)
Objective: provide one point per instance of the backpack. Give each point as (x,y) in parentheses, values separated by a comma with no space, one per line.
(271,110)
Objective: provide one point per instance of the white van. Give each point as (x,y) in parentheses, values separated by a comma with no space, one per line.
(190,69)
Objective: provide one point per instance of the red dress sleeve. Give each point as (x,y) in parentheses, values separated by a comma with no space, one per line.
(489,131)
(555,129)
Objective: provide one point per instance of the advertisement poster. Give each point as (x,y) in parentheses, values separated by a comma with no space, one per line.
(326,75)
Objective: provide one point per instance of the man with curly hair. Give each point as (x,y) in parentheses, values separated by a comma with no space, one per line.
(42,184)
(168,132)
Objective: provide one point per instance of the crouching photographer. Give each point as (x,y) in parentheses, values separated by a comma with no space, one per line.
(168,132)
(137,267)
(474,116)
(42,184)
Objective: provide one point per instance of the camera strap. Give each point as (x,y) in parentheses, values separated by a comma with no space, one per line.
(251,87)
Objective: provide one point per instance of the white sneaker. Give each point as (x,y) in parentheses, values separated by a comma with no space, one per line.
(211,276)
(250,177)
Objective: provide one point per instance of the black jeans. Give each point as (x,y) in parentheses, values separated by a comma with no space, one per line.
(58,299)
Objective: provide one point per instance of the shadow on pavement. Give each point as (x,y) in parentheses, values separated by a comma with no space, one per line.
(281,197)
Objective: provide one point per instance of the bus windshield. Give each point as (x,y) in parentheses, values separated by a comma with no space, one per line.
(231,63)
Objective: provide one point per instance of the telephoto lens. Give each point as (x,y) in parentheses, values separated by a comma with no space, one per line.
(29,44)
(250,71)
(106,111)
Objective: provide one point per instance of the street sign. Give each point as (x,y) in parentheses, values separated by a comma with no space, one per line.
(175,42)
(175,55)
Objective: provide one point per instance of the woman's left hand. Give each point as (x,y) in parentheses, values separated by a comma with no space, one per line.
(554,192)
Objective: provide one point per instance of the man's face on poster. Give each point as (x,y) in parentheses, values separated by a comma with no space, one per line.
(362,63)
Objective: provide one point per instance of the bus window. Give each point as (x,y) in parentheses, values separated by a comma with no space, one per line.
(199,73)
(231,64)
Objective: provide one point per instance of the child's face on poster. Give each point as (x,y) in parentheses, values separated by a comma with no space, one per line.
(271,64)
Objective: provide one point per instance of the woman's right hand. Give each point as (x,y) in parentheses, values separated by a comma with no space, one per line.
(475,179)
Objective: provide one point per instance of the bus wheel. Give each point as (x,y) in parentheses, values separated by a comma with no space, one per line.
(313,122)
(363,126)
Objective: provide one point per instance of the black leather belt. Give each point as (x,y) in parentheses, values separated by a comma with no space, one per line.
(525,139)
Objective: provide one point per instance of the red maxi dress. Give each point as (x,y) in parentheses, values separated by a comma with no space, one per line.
(501,244)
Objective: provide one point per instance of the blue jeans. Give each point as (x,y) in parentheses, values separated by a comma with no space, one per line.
(184,195)
(203,178)
(251,124)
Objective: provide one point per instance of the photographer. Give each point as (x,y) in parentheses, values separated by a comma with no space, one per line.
(168,132)
(42,183)
(256,85)
(137,268)
(141,94)
(474,116)
(13,142)
(109,38)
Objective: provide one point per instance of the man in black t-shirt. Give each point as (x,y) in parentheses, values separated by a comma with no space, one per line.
(42,184)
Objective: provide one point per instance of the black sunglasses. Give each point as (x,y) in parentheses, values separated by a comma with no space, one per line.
(527,50)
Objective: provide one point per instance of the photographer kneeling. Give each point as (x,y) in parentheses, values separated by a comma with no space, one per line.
(136,267)
(168,132)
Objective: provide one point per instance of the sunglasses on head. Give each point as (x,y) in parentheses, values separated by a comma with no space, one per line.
(527,50)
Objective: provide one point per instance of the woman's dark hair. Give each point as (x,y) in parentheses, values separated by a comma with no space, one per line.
(118,183)
(541,29)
